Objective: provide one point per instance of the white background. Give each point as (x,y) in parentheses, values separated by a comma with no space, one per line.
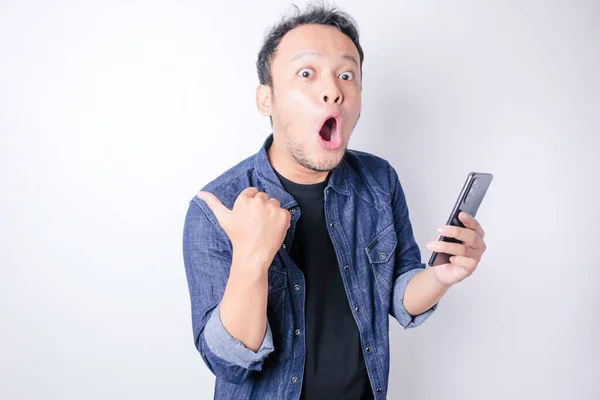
(114,113)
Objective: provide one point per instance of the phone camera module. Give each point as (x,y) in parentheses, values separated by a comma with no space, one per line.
(470,194)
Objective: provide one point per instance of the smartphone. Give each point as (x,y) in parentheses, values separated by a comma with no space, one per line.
(469,200)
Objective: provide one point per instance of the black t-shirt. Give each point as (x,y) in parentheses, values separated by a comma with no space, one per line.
(335,367)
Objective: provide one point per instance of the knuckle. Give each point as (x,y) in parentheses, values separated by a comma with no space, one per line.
(472,266)
(285,218)
(274,203)
(474,237)
(241,201)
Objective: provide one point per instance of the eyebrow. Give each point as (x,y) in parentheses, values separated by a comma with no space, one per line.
(298,56)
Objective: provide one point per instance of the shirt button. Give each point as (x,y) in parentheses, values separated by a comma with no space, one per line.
(382,256)
(357,309)
(327,191)
(297,332)
(296,287)
(295,379)
(346,268)
(283,245)
(379,390)
(368,349)
(332,224)
(293,210)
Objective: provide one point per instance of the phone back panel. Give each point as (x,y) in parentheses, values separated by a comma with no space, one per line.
(469,200)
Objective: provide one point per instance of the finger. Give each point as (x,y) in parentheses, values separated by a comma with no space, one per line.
(220,211)
(466,235)
(467,263)
(262,195)
(287,217)
(455,249)
(470,222)
(275,202)
(249,192)
(244,196)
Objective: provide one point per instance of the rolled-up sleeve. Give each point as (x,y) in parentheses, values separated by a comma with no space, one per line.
(399,312)
(207,257)
(407,259)
(229,349)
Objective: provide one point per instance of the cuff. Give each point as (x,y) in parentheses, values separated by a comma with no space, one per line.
(403,317)
(228,348)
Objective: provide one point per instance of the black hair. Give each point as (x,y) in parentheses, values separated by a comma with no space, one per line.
(314,14)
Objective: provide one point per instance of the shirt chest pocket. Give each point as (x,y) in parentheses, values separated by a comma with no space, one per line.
(381,255)
(277,280)
(276,288)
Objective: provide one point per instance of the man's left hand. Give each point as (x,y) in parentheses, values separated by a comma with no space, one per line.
(464,257)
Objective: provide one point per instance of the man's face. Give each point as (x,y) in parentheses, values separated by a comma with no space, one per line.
(316,96)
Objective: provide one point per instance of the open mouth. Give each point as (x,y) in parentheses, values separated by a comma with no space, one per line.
(330,132)
(329,129)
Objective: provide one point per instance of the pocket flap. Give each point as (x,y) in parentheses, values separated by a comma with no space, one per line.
(277,280)
(381,248)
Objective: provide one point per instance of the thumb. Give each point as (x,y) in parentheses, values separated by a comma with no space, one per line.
(221,212)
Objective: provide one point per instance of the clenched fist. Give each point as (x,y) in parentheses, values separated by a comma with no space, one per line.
(256,225)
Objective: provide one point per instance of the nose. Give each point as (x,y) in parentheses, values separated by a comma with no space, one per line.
(332,93)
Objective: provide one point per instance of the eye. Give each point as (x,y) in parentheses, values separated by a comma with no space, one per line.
(347,76)
(305,73)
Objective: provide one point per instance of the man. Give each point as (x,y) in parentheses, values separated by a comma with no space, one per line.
(296,256)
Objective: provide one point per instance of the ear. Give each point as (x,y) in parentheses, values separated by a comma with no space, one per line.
(264,100)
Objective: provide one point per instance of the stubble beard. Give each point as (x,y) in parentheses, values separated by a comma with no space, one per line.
(299,153)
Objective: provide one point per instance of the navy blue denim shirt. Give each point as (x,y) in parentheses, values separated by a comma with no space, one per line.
(368,221)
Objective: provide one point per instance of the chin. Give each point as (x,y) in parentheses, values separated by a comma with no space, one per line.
(316,157)
(329,162)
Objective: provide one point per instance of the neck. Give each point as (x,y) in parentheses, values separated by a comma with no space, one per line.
(287,166)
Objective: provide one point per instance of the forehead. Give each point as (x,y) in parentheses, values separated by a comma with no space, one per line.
(325,40)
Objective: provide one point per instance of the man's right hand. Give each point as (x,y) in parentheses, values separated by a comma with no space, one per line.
(256,225)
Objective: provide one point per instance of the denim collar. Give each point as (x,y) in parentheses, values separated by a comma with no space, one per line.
(273,186)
